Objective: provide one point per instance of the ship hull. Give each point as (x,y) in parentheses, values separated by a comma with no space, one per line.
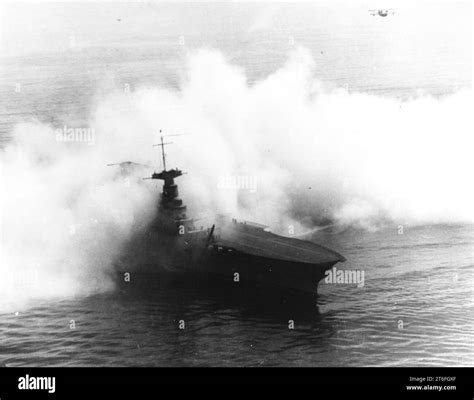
(231,252)
(260,271)
(169,259)
(275,278)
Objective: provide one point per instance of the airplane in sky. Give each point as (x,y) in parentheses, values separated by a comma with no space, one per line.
(383,12)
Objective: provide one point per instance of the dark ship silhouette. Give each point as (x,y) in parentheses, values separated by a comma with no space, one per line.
(229,251)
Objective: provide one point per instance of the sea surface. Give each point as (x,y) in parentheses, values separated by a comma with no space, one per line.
(416,307)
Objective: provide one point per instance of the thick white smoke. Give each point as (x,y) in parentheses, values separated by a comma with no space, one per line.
(296,150)
(65,216)
(317,153)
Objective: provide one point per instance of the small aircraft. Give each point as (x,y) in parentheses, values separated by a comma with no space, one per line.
(383,12)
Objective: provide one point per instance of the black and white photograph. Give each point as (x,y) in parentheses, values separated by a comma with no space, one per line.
(189,184)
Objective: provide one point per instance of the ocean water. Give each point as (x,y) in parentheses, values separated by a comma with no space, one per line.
(416,307)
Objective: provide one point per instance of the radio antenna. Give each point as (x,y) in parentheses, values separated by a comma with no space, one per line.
(163,144)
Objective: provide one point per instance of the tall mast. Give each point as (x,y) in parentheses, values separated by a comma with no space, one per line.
(163,144)
(163,153)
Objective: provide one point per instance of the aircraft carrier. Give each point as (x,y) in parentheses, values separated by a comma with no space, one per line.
(228,251)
